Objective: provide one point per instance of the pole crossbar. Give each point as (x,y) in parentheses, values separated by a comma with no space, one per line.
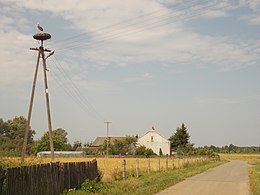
(37,49)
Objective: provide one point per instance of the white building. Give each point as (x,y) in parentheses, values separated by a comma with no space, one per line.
(61,154)
(155,141)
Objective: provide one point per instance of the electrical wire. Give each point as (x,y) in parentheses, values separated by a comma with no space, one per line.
(191,3)
(104,31)
(71,89)
(127,32)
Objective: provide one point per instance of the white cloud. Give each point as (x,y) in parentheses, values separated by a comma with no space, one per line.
(254,5)
(17,63)
(127,43)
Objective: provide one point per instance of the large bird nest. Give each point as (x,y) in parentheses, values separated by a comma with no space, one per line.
(42,36)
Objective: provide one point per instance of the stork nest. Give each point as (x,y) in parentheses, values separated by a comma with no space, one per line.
(42,36)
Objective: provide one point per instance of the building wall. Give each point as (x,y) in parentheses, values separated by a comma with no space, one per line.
(155,141)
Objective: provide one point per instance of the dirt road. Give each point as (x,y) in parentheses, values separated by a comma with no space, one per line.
(227,179)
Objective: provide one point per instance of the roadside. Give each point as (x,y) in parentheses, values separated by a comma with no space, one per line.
(228,179)
(146,183)
(254,168)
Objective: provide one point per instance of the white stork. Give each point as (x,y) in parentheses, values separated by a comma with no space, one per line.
(39,27)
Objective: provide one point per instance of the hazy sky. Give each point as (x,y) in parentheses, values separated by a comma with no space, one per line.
(137,63)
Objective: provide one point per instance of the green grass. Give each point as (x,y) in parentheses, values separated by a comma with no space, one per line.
(146,183)
(254,176)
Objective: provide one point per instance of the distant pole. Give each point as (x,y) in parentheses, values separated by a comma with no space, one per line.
(108,123)
(41,36)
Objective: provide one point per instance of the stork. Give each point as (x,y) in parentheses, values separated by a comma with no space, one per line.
(39,27)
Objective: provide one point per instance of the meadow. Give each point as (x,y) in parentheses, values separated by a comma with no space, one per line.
(112,168)
(146,183)
(161,174)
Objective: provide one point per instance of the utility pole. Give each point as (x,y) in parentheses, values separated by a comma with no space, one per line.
(41,36)
(108,123)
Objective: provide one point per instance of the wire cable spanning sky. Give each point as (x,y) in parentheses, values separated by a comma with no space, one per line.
(137,63)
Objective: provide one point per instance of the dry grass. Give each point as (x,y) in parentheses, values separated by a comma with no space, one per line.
(110,168)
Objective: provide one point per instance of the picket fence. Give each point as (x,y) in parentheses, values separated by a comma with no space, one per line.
(51,178)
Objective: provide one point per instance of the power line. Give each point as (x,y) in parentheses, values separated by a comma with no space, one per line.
(164,21)
(72,90)
(191,2)
(129,24)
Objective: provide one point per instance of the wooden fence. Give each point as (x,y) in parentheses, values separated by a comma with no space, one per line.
(160,164)
(52,178)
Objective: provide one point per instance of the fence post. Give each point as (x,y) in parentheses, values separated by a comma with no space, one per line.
(172,163)
(124,169)
(149,166)
(166,164)
(137,168)
(159,164)
(2,174)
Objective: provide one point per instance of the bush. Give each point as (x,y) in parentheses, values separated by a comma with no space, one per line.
(88,187)
(142,150)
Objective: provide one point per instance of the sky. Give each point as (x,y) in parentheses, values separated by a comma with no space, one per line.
(137,64)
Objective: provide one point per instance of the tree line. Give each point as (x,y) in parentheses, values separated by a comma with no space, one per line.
(12,135)
(181,145)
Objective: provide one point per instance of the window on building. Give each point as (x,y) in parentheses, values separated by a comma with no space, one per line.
(151,138)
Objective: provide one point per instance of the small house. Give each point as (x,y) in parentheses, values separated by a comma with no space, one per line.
(153,140)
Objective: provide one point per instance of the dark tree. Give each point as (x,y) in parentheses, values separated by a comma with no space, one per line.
(76,144)
(124,146)
(60,141)
(142,150)
(160,152)
(180,139)
(120,146)
(12,135)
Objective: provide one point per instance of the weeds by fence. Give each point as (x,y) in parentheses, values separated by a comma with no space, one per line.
(134,167)
(51,178)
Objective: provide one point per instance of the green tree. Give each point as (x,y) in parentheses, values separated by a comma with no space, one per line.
(160,152)
(124,146)
(60,141)
(12,135)
(180,139)
(142,150)
(76,145)
(121,146)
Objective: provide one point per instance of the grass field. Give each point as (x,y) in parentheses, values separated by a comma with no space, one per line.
(254,168)
(146,183)
(111,168)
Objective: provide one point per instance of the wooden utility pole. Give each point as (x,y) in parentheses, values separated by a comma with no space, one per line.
(40,37)
(30,110)
(47,103)
(107,135)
